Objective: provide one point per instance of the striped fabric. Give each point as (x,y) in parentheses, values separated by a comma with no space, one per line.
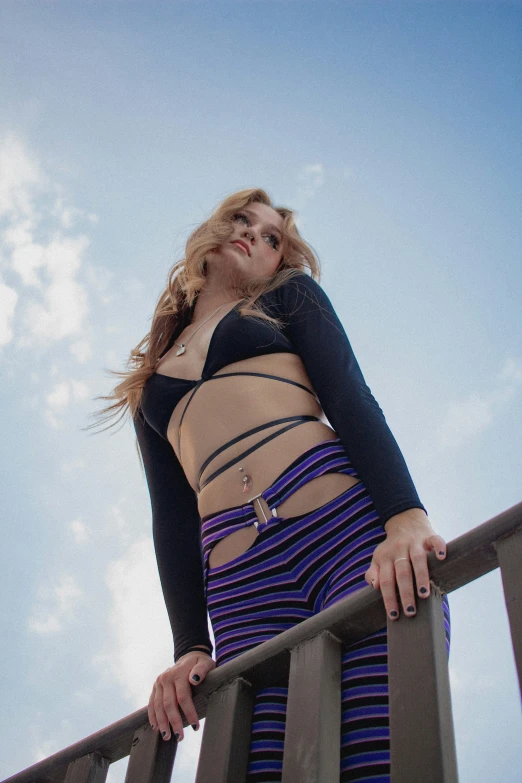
(296,567)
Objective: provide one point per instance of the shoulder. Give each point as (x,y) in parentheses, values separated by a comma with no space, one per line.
(298,289)
(301,295)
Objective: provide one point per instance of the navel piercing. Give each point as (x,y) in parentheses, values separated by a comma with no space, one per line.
(247,481)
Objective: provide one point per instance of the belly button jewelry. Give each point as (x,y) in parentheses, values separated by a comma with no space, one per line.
(247,481)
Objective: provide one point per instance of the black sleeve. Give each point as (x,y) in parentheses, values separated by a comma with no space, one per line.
(176,534)
(317,334)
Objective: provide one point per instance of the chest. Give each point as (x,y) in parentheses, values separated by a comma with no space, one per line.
(234,339)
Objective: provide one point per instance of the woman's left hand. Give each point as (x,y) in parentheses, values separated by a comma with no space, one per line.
(404,552)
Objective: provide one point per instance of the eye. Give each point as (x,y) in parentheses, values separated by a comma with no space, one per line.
(273,239)
(241,215)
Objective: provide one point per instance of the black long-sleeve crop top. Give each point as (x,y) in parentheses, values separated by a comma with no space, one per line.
(311,329)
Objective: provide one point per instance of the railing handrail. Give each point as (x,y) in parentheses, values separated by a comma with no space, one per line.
(362,613)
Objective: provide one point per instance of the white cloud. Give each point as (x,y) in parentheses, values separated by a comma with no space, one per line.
(139,645)
(59,397)
(63,394)
(63,306)
(73,466)
(8,300)
(81,350)
(80,531)
(56,305)
(99,278)
(464,419)
(310,179)
(27,256)
(56,605)
(511,373)
(20,178)
(67,215)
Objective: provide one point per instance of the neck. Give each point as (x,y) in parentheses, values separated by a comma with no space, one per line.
(214,293)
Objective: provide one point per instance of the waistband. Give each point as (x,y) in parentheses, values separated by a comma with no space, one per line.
(328,456)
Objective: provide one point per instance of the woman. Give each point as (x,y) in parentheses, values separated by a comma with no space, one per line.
(276,485)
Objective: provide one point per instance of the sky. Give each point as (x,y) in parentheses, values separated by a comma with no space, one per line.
(394,130)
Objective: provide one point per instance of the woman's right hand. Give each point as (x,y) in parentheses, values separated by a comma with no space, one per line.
(172,688)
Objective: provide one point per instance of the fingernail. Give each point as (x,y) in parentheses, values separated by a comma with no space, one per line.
(152,726)
(410,609)
(177,735)
(196,677)
(441,552)
(163,733)
(194,726)
(423,590)
(393,613)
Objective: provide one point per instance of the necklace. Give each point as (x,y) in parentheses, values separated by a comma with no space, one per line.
(182,346)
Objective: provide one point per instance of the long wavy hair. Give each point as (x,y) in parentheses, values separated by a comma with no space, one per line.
(186,279)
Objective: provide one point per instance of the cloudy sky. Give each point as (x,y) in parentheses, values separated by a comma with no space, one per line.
(393,128)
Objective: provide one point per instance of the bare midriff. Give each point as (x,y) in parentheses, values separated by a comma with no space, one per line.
(223,409)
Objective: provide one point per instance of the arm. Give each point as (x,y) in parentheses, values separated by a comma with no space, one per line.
(176,533)
(316,332)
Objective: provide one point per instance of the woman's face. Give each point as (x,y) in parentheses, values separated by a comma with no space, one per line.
(259,229)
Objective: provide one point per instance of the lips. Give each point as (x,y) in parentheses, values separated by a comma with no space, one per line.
(241,244)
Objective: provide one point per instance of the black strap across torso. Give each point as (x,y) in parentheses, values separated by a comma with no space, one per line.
(296,420)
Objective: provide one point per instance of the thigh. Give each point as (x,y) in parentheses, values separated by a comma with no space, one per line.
(365,732)
(365,719)
(252,598)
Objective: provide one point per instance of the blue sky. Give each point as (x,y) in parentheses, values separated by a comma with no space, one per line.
(394,130)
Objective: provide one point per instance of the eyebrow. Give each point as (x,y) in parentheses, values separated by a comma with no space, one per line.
(270,225)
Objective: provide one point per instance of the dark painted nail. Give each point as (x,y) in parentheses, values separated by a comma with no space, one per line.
(423,590)
(163,733)
(410,609)
(393,613)
(196,677)
(177,735)
(194,726)
(441,552)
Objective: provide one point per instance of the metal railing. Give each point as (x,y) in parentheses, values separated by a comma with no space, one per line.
(307,659)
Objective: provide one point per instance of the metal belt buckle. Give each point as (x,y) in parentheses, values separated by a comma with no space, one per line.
(256,497)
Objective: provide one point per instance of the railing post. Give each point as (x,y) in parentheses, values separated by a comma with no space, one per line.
(91,768)
(312,748)
(151,758)
(509,553)
(421,722)
(225,745)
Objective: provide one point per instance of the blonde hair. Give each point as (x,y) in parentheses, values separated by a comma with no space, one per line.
(187,277)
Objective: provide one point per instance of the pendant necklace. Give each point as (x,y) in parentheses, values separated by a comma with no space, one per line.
(182,346)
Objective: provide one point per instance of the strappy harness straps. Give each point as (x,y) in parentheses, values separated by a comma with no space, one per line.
(295,421)
(227,375)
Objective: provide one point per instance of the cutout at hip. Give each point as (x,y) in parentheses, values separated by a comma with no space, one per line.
(306,499)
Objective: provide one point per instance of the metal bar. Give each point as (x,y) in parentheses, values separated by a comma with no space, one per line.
(312,749)
(91,768)
(151,757)
(509,551)
(421,722)
(225,745)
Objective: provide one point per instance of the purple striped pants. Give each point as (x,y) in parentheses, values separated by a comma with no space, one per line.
(296,567)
